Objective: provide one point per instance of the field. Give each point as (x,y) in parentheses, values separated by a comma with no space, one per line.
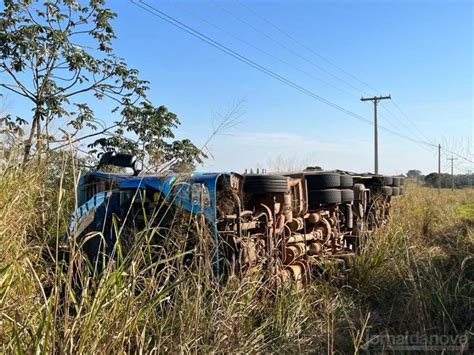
(413,277)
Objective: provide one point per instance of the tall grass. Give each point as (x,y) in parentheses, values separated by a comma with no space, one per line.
(414,275)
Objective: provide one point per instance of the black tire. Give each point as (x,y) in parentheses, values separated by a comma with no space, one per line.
(402,190)
(347,196)
(265,183)
(386,190)
(395,191)
(387,180)
(317,198)
(317,181)
(396,181)
(347,181)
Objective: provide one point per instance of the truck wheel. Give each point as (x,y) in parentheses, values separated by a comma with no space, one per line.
(387,180)
(396,181)
(347,196)
(386,190)
(318,181)
(347,181)
(318,198)
(395,191)
(265,183)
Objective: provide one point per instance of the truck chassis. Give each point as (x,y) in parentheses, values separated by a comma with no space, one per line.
(287,224)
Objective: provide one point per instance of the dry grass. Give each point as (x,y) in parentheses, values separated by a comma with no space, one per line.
(415,275)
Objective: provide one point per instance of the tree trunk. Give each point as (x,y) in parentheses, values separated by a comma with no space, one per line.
(38,135)
(29,140)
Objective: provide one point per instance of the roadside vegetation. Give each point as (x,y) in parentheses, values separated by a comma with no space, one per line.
(413,276)
(57,62)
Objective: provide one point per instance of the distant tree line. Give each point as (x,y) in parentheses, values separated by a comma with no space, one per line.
(444,180)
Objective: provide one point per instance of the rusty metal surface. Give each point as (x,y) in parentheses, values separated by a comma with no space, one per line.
(280,231)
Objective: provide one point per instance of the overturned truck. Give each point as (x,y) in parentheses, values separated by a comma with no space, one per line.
(289,224)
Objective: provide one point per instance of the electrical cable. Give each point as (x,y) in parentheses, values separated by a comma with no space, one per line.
(171,20)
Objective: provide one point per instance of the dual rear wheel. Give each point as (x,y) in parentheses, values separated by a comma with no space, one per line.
(329,188)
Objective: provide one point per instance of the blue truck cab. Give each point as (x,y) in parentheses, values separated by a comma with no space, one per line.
(103,196)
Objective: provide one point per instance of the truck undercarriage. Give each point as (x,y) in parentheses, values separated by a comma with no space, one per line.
(287,224)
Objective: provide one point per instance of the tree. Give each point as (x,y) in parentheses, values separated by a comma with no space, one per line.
(58,57)
(414,173)
(433,179)
(445,180)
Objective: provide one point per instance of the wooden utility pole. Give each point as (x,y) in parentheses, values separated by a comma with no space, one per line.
(375,100)
(439,169)
(452,171)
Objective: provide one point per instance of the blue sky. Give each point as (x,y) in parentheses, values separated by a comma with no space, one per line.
(420,52)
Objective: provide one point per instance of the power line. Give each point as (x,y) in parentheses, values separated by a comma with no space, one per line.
(389,112)
(171,20)
(418,137)
(292,38)
(408,119)
(459,156)
(230,34)
(306,59)
(421,136)
(165,17)
(279,29)
(447,153)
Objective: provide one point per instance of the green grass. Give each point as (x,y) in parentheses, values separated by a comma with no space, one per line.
(413,276)
(465,210)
